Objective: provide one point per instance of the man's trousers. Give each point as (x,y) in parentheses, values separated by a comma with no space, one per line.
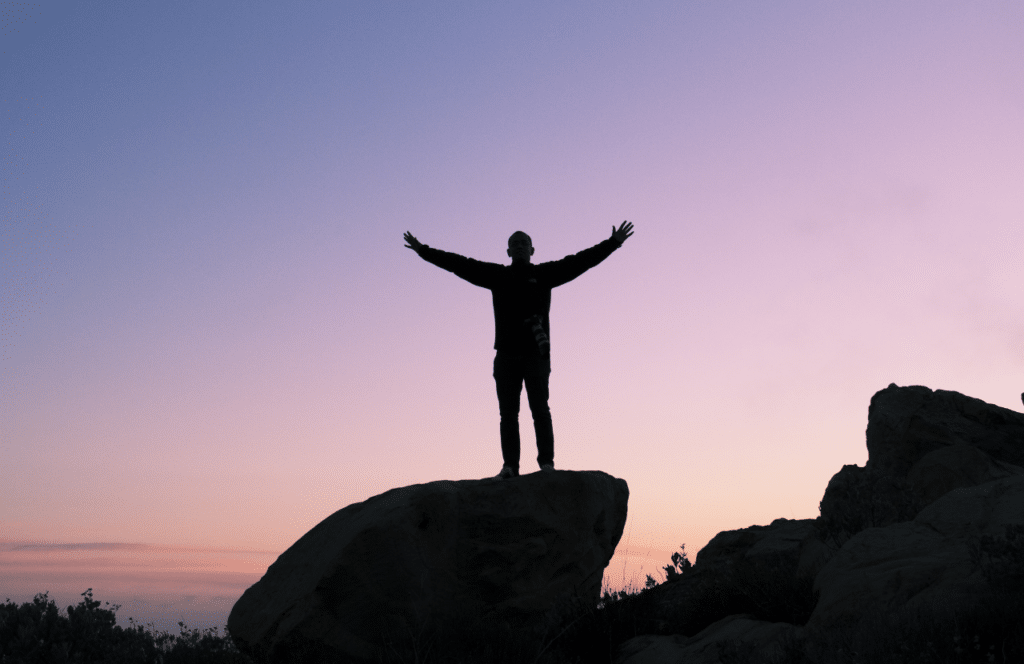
(510,372)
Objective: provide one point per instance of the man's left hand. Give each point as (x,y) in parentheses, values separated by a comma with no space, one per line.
(624,231)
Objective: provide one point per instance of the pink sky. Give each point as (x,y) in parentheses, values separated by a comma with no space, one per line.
(213,337)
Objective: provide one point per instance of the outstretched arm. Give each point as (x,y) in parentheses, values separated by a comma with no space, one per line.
(565,270)
(475,272)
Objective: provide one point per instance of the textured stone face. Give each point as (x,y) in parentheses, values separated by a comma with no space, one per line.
(921,445)
(934,522)
(920,563)
(953,467)
(785,543)
(374,572)
(907,423)
(757,639)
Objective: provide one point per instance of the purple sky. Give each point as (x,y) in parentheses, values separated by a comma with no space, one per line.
(213,336)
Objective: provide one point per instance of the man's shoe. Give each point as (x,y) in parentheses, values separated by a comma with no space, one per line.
(507,472)
(548,468)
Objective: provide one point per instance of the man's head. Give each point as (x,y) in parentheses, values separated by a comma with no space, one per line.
(520,247)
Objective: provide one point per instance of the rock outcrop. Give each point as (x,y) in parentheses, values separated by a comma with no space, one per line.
(924,526)
(921,564)
(367,581)
(736,635)
(767,570)
(921,445)
(906,424)
(786,543)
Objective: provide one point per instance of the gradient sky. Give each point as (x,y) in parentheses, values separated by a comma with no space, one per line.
(213,336)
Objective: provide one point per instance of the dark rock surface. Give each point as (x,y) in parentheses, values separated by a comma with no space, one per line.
(918,564)
(907,423)
(768,570)
(921,445)
(356,586)
(905,533)
(789,544)
(740,635)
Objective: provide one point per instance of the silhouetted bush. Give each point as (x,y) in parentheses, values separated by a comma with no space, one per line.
(37,632)
(680,565)
(592,634)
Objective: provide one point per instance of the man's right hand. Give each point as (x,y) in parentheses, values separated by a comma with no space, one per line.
(412,242)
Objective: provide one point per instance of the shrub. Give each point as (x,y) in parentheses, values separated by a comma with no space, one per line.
(680,565)
(593,634)
(37,632)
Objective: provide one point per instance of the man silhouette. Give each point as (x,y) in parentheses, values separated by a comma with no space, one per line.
(521,294)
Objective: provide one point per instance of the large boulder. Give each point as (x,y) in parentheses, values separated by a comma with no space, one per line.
(789,544)
(934,522)
(735,638)
(907,423)
(409,560)
(760,571)
(922,564)
(858,497)
(955,466)
(921,445)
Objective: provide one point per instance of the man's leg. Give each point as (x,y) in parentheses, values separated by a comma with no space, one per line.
(538,371)
(508,379)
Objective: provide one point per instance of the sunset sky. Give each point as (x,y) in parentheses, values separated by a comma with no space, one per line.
(213,337)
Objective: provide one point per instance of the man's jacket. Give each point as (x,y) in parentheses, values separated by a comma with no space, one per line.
(520,291)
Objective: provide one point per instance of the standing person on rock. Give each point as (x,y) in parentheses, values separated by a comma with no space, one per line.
(521,293)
